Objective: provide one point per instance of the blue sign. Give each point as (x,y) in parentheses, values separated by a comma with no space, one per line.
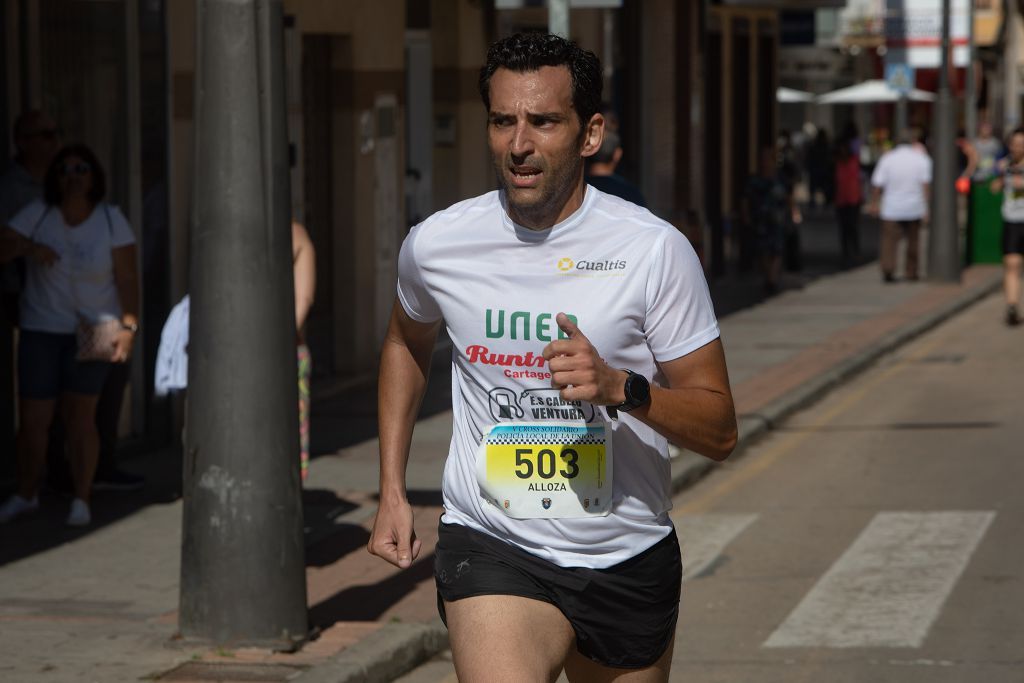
(900,77)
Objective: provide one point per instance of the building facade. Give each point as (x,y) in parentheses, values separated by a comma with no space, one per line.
(385,126)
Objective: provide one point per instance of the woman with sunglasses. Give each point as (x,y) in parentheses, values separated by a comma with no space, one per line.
(81,261)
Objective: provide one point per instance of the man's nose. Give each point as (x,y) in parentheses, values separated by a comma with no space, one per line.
(522,141)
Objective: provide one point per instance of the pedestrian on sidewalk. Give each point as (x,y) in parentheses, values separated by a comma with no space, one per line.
(304,274)
(601,171)
(36,141)
(820,172)
(1010,181)
(768,208)
(849,199)
(988,149)
(171,371)
(901,186)
(583,337)
(79,314)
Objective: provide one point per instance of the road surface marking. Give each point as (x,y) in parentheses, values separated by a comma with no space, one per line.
(889,586)
(786,443)
(703,538)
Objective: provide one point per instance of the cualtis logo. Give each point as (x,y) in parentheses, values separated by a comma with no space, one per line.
(567,265)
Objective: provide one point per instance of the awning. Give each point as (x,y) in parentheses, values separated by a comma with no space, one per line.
(786,95)
(872,91)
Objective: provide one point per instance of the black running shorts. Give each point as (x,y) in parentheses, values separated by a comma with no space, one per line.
(624,616)
(1013,238)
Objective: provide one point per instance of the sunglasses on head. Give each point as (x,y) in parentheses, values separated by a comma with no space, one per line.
(77,168)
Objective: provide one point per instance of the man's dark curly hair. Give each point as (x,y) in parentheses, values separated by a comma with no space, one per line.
(525,52)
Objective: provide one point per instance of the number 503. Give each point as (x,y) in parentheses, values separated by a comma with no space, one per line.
(545,462)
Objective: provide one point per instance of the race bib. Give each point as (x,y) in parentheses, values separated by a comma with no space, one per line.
(547,470)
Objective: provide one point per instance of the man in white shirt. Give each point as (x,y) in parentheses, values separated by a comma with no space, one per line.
(901,181)
(583,339)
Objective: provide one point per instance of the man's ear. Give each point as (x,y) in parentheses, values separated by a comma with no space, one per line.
(593,136)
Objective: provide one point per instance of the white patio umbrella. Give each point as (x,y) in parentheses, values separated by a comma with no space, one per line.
(872,91)
(787,95)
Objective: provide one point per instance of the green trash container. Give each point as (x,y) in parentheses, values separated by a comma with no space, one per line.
(986,225)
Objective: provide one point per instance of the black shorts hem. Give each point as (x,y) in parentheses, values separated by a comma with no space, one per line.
(1013,238)
(623,617)
(632,667)
(441,599)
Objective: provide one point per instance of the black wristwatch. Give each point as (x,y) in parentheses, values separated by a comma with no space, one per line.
(637,390)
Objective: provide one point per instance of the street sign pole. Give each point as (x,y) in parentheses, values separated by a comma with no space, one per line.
(900,77)
(944,239)
(558,18)
(971,110)
(243,566)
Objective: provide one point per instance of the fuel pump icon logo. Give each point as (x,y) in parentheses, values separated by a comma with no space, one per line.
(504,404)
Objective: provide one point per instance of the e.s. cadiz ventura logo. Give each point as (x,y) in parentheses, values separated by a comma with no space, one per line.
(590,267)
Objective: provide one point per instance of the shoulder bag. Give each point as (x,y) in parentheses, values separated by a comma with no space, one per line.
(96,340)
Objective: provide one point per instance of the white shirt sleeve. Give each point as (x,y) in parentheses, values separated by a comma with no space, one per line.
(926,170)
(413,291)
(26,221)
(120,229)
(680,316)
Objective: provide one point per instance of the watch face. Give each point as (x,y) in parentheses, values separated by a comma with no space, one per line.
(637,390)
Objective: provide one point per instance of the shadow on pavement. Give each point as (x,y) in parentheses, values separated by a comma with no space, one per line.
(349,416)
(369,602)
(45,529)
(345,539)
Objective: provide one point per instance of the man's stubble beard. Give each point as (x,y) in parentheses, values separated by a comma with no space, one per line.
(555,190)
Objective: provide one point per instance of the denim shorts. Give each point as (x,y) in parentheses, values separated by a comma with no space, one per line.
(47,367)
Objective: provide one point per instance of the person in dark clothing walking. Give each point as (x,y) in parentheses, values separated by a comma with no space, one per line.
(768,207)
(601,171)
(848,199)
(819,169)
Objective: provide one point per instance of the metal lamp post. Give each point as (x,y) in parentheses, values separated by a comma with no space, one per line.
(944,241)
(243,563)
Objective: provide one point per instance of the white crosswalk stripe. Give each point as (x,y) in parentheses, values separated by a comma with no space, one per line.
(889,586)
(702,538)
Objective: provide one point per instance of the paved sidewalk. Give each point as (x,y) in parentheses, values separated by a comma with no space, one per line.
(100,604)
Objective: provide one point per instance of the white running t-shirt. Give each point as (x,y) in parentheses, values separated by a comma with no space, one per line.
(637,291)
(902,173)
(1013,196)
(82,279)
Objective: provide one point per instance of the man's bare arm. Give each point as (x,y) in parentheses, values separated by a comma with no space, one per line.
(876,200)
(695,411)
(304,272)
(404,368)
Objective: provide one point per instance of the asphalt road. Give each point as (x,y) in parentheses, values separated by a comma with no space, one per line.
(873,537)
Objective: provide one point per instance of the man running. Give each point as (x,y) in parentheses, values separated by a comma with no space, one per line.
(1010,181)
(583,337)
